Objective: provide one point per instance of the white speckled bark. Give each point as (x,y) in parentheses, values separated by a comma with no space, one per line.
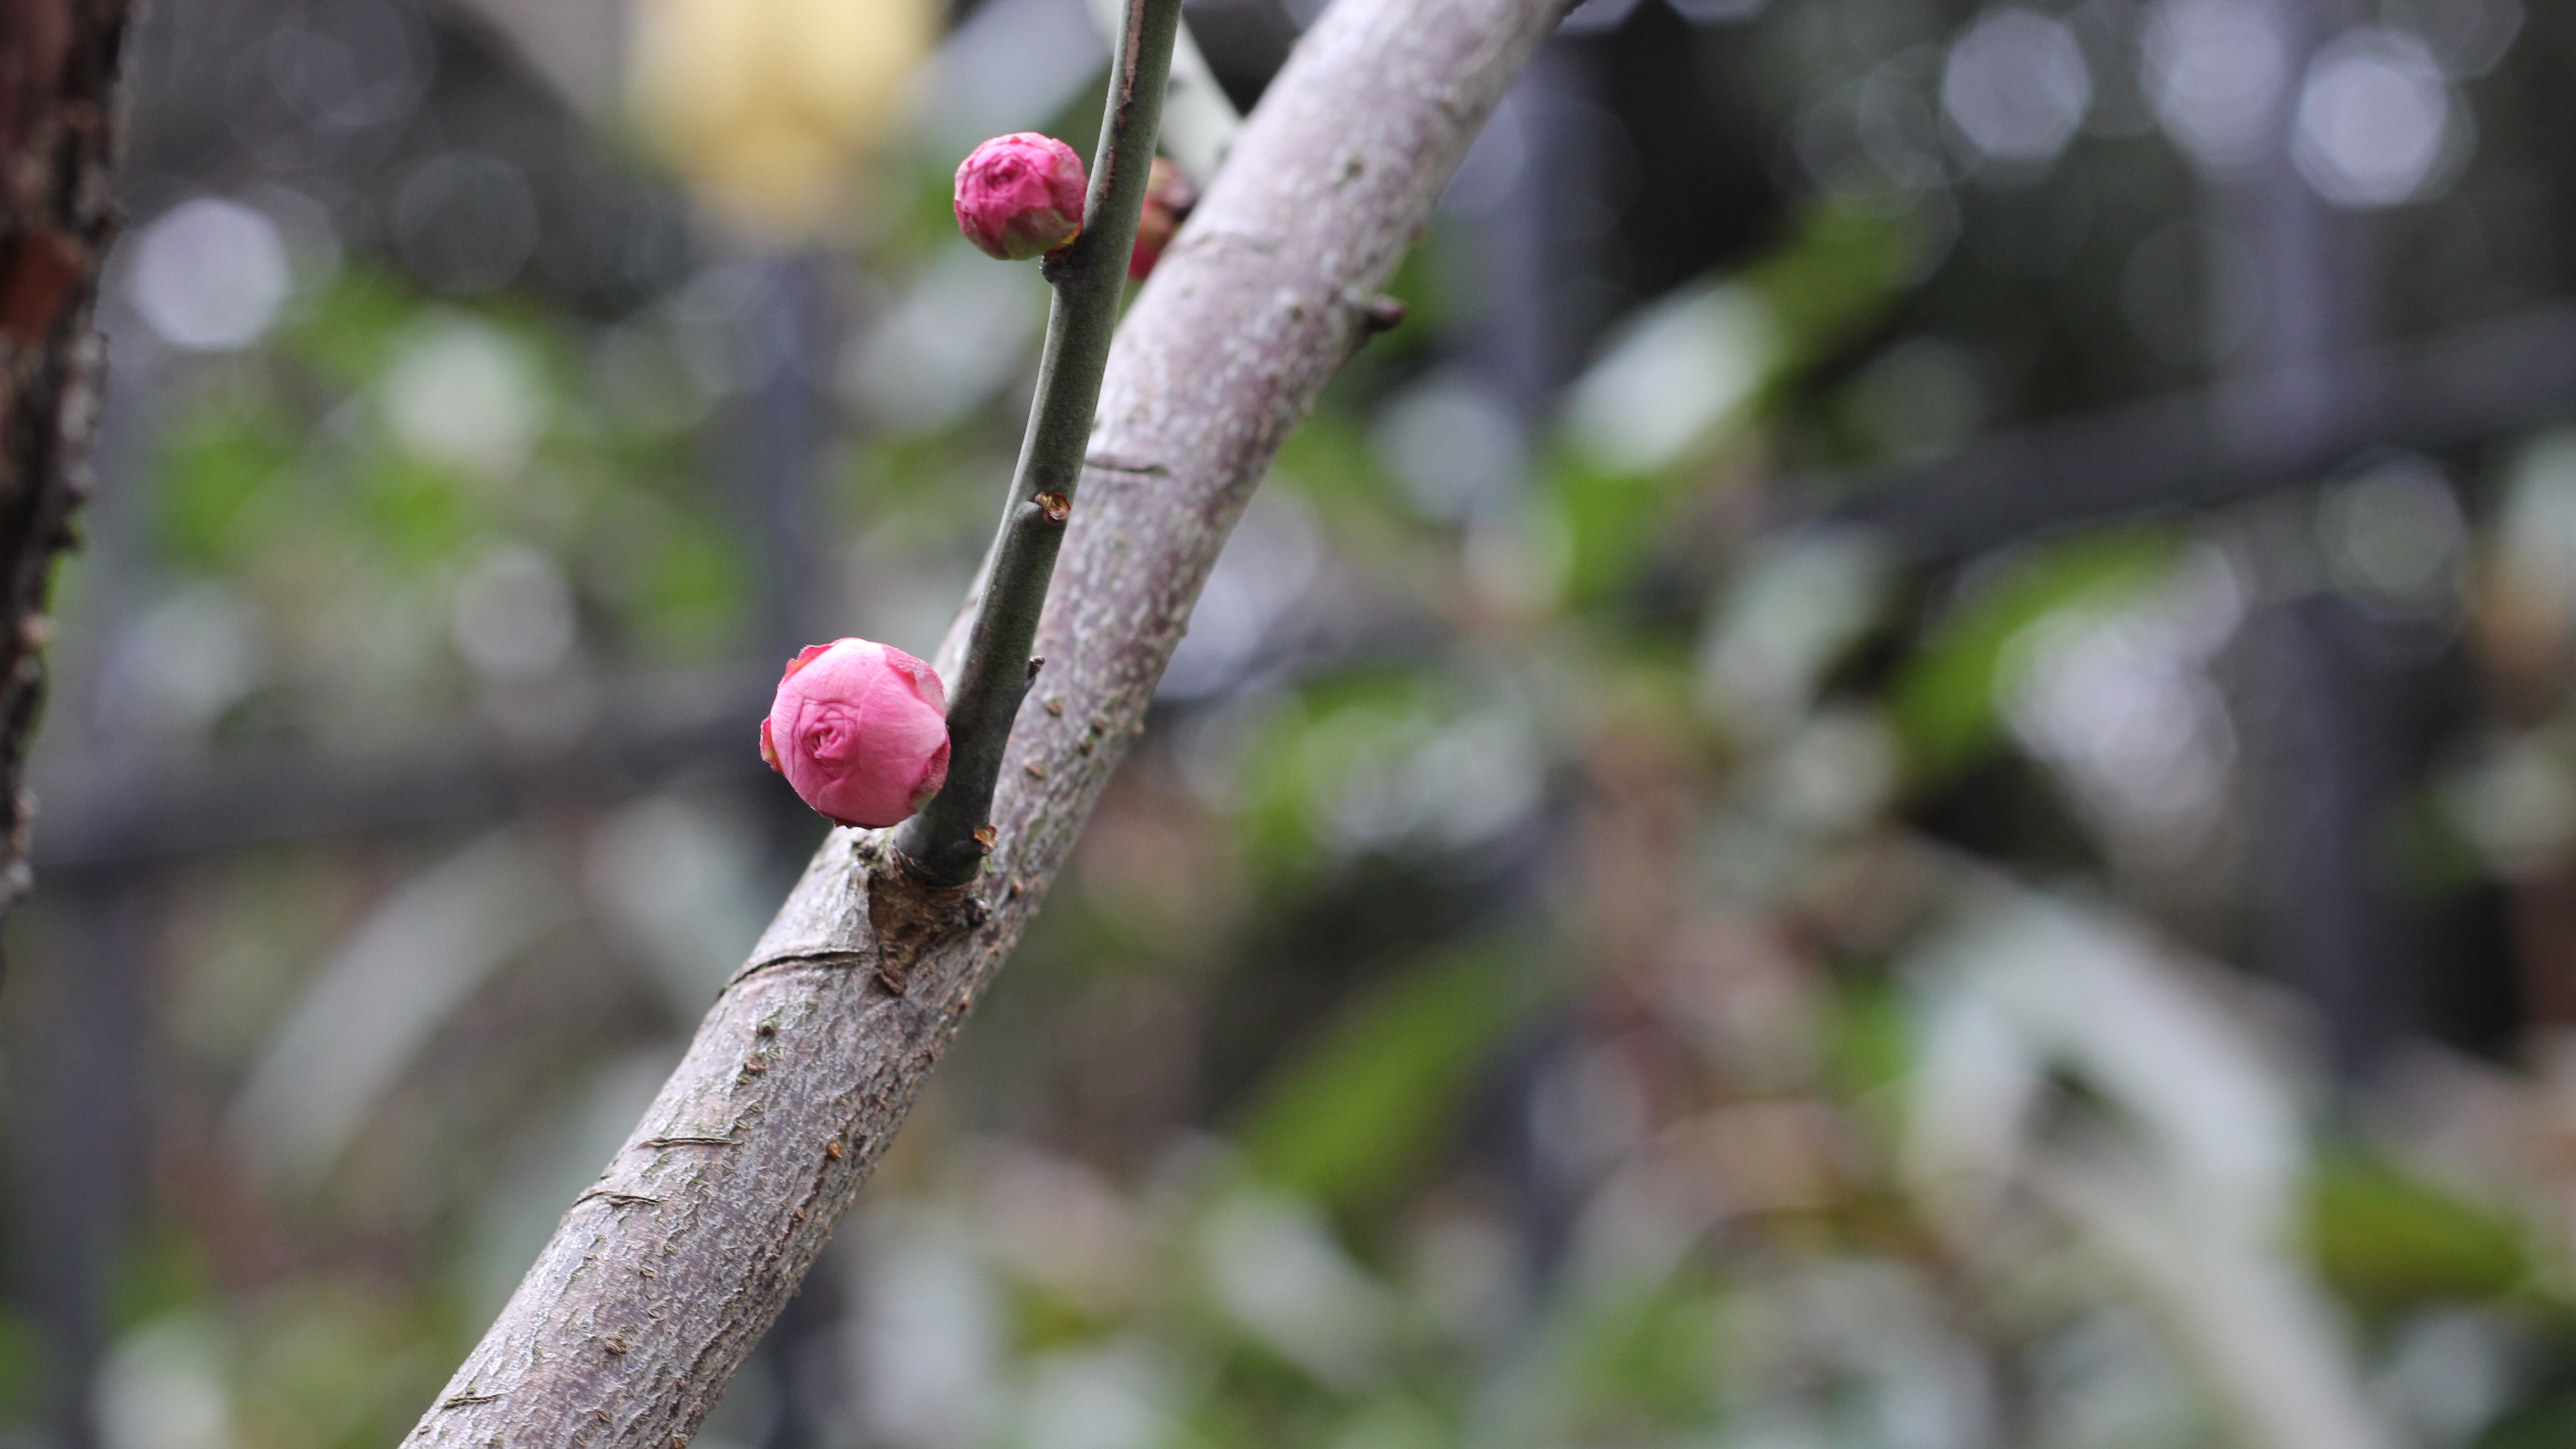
(667,1271)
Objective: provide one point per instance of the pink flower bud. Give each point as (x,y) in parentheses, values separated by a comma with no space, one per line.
(860,729)
(1020,196)
(1168,200)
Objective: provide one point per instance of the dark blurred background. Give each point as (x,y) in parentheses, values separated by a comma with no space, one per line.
(1902,776)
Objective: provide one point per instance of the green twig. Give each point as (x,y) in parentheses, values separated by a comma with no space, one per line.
(946,843)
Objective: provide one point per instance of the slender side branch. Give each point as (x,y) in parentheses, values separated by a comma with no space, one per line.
(661,1278)
(946,843)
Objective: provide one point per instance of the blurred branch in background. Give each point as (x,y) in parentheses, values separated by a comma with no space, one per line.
(59,63)
(59,124)
(2440,395)
(648,737)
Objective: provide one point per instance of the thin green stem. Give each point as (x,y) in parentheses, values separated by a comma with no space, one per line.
(946,843)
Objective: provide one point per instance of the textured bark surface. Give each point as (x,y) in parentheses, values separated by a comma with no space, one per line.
(664,1273)
(57,88)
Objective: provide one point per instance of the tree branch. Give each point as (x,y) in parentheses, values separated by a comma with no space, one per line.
(661,1279)
(945,844)
(58,65)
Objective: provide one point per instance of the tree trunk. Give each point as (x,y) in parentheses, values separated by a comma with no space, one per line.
(58,63)
(665,1273)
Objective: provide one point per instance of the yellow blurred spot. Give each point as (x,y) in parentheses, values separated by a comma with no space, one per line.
(769,105)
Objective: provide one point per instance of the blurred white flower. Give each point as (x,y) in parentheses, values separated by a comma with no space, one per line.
(210,275)
(2022,983)
(514,617)
(928,1336)
(1009,65)
(2215,70)
(2535,546)
(190,659)
(2395,534)
(2376,120)
(2184,1172)
(2451,1372)
(162,1387)
(2468,37)
(2119,701)
(1896,122)
(1273,558)
(1835,773)
(1452,443)
(1787,617)
(2517,803)
(462,392)
(1455,787)
(1672,374)
(397,977)
(1277,1271)
(961,331)
(675,875)
(2016,87)
(1849,1351)
(1111,1398)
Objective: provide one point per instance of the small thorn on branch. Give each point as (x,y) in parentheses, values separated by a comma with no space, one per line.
(1382,314)
(1036,663)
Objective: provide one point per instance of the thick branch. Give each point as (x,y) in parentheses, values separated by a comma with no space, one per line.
(58,62)
(944,844)
(665,1273)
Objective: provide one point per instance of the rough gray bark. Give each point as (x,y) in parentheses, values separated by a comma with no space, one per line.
(665,1273)
(58,68)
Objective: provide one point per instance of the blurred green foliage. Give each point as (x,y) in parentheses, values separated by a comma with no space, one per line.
(1361,1114)
(2387,1240)
(1945,703)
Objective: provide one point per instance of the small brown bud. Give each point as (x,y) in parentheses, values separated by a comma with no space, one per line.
(1169,198)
